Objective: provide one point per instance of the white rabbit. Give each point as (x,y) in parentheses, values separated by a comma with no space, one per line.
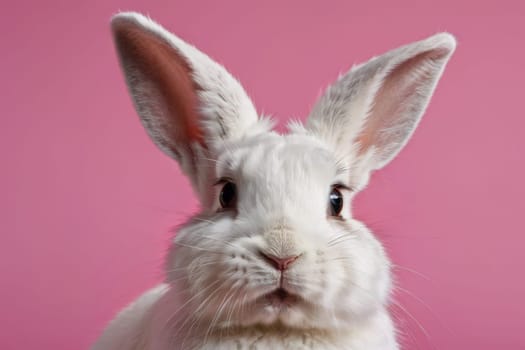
(274,260)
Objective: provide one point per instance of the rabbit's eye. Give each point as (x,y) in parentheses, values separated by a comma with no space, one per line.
(336,202)
(228,195)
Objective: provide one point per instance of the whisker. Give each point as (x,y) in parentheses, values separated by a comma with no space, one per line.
(195,313)
(198,248)
(218,313)
(204,290)
(186,267)
(396,303)
(221,241)
(399,267)
(426,306)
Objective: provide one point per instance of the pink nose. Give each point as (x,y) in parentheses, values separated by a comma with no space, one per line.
(280,264)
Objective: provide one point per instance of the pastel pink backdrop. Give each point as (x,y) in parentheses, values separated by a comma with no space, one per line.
(87,201)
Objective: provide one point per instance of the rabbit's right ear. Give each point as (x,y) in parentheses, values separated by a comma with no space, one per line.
(188,103)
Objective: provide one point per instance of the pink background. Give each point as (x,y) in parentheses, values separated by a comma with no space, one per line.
(86,201)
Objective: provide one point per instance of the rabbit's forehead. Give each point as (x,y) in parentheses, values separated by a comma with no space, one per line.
(279,160)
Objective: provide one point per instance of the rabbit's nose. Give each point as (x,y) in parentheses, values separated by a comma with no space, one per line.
(280,264)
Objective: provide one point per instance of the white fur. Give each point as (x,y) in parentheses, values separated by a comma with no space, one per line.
(215,275)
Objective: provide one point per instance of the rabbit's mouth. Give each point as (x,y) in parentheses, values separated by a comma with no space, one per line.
(280,297)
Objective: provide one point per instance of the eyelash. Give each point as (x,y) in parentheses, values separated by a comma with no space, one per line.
(341,186)
(222,181)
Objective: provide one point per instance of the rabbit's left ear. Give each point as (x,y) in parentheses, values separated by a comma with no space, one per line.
(369,113)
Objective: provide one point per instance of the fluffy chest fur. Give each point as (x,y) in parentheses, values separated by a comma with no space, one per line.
(377,335)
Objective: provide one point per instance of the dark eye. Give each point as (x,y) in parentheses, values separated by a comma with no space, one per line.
(228,195)
(336,202)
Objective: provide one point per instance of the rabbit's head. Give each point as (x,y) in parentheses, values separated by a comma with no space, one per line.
(275,241)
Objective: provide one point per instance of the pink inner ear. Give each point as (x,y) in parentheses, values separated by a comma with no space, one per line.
(170,74)
(398,99)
